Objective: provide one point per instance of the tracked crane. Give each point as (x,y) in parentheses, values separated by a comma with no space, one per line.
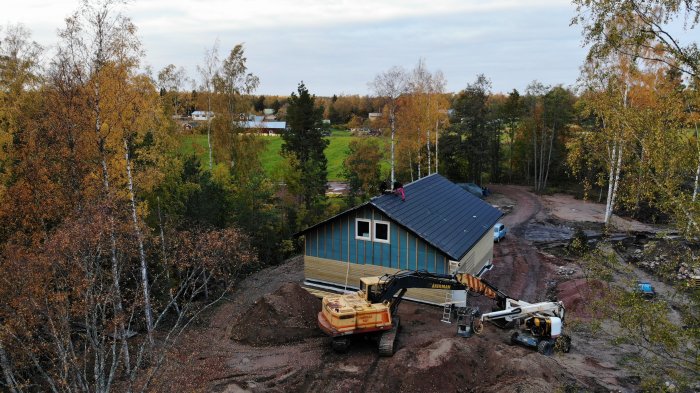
(539,324)
(371,311)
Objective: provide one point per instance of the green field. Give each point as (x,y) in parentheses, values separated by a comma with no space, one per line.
(336,152)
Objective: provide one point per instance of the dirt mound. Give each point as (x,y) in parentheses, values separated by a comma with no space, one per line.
(284,316)
(474,364)
(578,296)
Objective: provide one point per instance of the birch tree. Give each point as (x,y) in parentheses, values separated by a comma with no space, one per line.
(239,147)
(74,251)
(19,73)
(608,99)
(98,43)
(390,85)
(642,29)
(427,109)
(207,72)
(171,82)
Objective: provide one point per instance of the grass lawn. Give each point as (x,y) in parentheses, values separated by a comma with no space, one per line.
(335,152)
(194,144)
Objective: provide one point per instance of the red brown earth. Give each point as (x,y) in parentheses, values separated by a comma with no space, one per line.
(277,348)
(284,316)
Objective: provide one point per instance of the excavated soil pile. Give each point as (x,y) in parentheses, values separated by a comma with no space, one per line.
(465,365)
(447,365)
(578,296)
(284,316)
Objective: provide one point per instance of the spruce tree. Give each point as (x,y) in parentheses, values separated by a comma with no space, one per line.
(304,141)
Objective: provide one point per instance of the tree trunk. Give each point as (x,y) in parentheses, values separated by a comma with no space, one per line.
(511,133)
(534,158)
(10,382)
(418,159)
(614,177)
(142,255)
(211,160)
(549,157)
(427,144)
(611,177)
(165,259)
(618,169)
(392,120)
(437,138)
(615,164)
(118,306)
(543,147)
(697,170)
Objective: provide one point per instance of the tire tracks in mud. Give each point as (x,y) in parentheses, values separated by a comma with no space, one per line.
(518,267)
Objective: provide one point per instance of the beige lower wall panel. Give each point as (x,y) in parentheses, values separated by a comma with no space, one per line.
(477,257)
(327,270)
(483,250)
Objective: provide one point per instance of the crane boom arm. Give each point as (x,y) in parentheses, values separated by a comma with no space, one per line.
(391,288)
(516,309)
(480,286)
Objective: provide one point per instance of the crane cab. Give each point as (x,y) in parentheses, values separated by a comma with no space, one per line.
(371,289)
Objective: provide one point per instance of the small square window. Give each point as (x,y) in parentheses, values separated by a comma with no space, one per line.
(381,231)
(362,229)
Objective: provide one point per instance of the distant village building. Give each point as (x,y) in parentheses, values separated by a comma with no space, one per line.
(374,116)
(269,114)
(202,115)
(262,125)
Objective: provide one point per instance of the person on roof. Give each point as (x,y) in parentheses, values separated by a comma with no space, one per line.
(398,190)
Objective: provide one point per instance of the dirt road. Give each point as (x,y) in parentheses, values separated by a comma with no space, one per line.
(430,357)
(519,268)
(527,206)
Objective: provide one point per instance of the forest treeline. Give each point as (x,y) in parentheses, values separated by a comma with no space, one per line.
(112,242)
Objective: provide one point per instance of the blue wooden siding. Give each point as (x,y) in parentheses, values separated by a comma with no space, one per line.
(336,240)
(393,246)
(412,253)
(430,259)
(441,262)
(311,240)
(352,243)
(422,258)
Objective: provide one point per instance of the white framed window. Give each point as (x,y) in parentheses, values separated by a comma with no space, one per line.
(381,231)
(363,229)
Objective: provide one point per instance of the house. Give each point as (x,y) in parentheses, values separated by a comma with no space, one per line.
(202,115)
(269,114)
(372,116)
(262,125)
(439,227)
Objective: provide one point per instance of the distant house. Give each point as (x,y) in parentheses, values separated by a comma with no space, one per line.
(202,115)
(263,126)
(374,116)
(269,115)
(439,227)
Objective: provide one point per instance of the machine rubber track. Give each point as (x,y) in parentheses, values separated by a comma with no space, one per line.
(387,340)
(341,344)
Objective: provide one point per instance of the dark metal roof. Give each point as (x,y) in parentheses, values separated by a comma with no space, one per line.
(438,211)
(441,213)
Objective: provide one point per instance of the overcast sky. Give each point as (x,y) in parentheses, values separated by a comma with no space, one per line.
(338,46)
